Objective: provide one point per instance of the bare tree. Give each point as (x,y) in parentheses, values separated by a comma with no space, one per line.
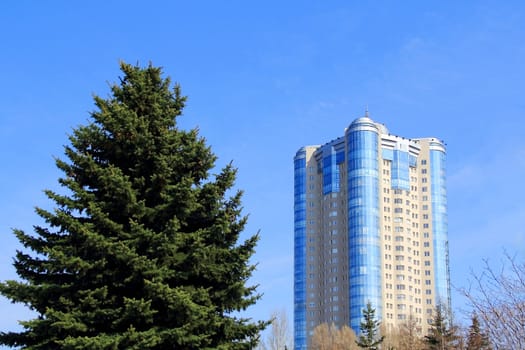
(410,334)
(322,337)
(279,336)
(391,340)
(327,337)
(498,298)
(407,336)
(345,339)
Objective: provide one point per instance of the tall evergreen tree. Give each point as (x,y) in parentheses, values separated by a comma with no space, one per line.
(143,251)
(369,337)
(476,338)
(442,335)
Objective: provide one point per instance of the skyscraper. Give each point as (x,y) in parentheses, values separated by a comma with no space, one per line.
(370,224)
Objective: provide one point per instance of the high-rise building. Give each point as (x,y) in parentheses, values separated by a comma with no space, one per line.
(370,226)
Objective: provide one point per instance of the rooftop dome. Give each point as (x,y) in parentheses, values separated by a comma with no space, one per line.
(362,120)
(364,123)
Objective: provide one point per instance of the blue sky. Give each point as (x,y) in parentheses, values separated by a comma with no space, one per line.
(265,78)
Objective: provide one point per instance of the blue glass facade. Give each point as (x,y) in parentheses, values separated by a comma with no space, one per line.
(331,175)
(363,221)
(300,250)
(439,224)
(400,177)
(401,163)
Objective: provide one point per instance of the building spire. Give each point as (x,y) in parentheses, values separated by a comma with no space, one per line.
(366,111)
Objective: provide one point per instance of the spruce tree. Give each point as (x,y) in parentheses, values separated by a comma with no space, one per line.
(369,337)
(441,335)
(142,250)
(477,339)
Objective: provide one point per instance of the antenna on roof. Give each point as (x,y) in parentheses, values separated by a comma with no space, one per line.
(366,110)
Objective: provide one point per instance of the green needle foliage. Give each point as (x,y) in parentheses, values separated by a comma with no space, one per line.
(477,339)
(442,335)
(369,337)
(143,251)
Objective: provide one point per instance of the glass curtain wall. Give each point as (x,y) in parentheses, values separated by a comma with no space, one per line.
(300,250)
(440,226)
(363,221)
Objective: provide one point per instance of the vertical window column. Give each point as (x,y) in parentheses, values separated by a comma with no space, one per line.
(363,221)
(300,250)
(440,224)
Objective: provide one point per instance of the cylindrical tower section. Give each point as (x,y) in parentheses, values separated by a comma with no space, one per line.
(439,222)
(363,219)
(300,336)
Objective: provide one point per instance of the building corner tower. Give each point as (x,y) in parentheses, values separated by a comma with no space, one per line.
(370,225)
